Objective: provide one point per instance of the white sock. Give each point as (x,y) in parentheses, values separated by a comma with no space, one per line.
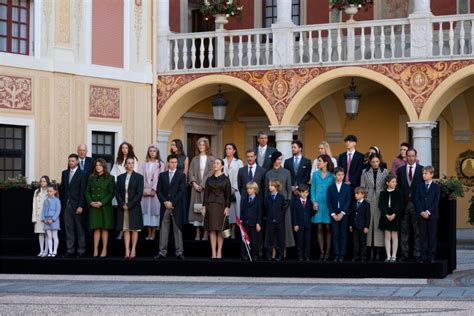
(56,241)
(50,241)
(41,242)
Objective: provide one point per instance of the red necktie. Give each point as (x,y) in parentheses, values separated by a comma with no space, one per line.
(304,203)
(410,174)
(349,160)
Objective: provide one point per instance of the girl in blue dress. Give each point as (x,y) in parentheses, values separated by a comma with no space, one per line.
(50,218)
(322,179)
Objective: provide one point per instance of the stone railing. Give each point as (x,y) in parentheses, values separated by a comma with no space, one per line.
(413,38)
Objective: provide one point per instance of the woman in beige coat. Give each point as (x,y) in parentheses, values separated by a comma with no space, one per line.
(373,180)
(200,169)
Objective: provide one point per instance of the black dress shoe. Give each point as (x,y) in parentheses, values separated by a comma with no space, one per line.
(306,259)
(159,257)
(431,260)
(180,257)
(403,259)
(419,260)
(81,255)
(69,255)
(300,258)
(341,259)
(356,259)
(244,259)
(362,260)
(279,258)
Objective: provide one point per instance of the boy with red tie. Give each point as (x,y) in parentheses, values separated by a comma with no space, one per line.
(251,217)
(302,211)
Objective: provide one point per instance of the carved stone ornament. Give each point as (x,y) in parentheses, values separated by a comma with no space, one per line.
(465,167)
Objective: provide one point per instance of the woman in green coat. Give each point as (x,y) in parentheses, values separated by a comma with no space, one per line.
(99,194)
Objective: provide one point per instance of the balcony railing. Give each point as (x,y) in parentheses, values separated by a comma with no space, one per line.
(323,44)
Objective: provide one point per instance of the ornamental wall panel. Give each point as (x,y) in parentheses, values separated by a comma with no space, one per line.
(104,102)
(16,93)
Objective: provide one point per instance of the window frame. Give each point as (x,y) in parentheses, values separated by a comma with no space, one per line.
(273,17)
(109,158)
(10,6)
(14,153)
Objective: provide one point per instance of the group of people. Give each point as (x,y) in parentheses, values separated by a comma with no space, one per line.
(275,202)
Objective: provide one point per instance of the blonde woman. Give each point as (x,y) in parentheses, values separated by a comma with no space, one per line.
(324,149)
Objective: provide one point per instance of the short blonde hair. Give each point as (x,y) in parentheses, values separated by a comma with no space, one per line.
(275,183)
(253,185)
(429,169)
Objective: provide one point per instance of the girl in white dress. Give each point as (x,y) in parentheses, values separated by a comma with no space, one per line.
(39,197)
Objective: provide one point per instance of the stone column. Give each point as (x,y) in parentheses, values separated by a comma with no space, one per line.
(422,7)
(421,34)
(284,8)
(162,141)
(163,30)
(422,140)
(284,137)
(283,41)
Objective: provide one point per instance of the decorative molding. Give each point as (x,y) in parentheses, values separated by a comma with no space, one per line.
(78,18)
(47,17)
(279,86)
(15,93)
(63,115)
(465,167)
(104,102)
(137,27)
(462,136)
(45,126)
(63,23)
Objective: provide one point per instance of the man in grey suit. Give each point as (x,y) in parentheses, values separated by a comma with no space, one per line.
(264,152)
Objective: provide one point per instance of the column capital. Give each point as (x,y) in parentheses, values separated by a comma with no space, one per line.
(428,125)
(162,133)
(284,128)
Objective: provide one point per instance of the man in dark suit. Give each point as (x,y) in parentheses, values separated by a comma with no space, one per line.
(250,173)
(409,177)
(72,190)
(299,166)
(427,204)
(170,190)
(85,163)
(264,152)
(352,161)
(302,211)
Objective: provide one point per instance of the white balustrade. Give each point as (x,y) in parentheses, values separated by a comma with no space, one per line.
(322,44)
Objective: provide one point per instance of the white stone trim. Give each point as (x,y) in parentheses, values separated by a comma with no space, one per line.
(257,14)
(126,32)
(284,137)
(36,7)
(87,44)
(30,142)
(162,140)
(468,6)
(443,146)
(422,140)
(184,16)
(117,129)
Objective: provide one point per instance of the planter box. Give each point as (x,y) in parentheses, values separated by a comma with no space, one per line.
(15,213)
(447,232)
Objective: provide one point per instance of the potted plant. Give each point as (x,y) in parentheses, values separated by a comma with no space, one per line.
(350,7)
(452,187)
(221,10)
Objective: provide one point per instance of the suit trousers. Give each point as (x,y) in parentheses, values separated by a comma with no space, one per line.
(303,241)
(275,238)
(168,219)
(428,232)
(254,243)
(74,227)
(339,236)
(360,244)
(409,221)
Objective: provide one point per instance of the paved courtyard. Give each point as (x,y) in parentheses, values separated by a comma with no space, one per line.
(44,294)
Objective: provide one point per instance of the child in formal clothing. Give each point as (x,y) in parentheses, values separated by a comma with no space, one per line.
(50,218)
(339,199)
(390,206)
(426,203)
(40,195)
(275,206)
(302,211)
(360,224)
(251,217)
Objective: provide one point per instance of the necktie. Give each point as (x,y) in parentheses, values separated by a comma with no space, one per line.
(304,203)
(410,174)
(171,176)
(427,186)
(349,160)
(358,204)
(261,156)
(250,173)
(71,174)
(82,164)
(296,163)
(250,200)
(274,197)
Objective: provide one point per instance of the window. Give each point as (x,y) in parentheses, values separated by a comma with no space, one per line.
(15,26)
(463,7)
(434,147)
(270,12)
(12,151)
(103,146)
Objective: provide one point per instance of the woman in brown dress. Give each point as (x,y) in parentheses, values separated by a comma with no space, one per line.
(216,204)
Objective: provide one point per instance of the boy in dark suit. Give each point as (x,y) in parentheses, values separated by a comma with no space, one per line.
(426,203)
(339,199)
(360,224)
(352,161)
(251,217)
(302,211)
(275,206)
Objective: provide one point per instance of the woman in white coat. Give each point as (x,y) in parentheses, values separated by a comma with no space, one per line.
(39,197)
(232,164)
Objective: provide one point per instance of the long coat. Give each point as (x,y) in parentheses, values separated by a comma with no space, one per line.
(232,171)
(195,176)
(100,189)
(135,193)
(375,238)
(38,200)
(151,204)
(284,177)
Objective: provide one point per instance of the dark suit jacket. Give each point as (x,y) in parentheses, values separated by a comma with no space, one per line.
(267,163)
(88,166)
(360,217)
(243,179)
(135,191)
(302,175)
(172,192)
(357,165)
(302,216)
(344,197)
(73,192)
(428,200)
(275,209)
(251,213)
(402,178)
